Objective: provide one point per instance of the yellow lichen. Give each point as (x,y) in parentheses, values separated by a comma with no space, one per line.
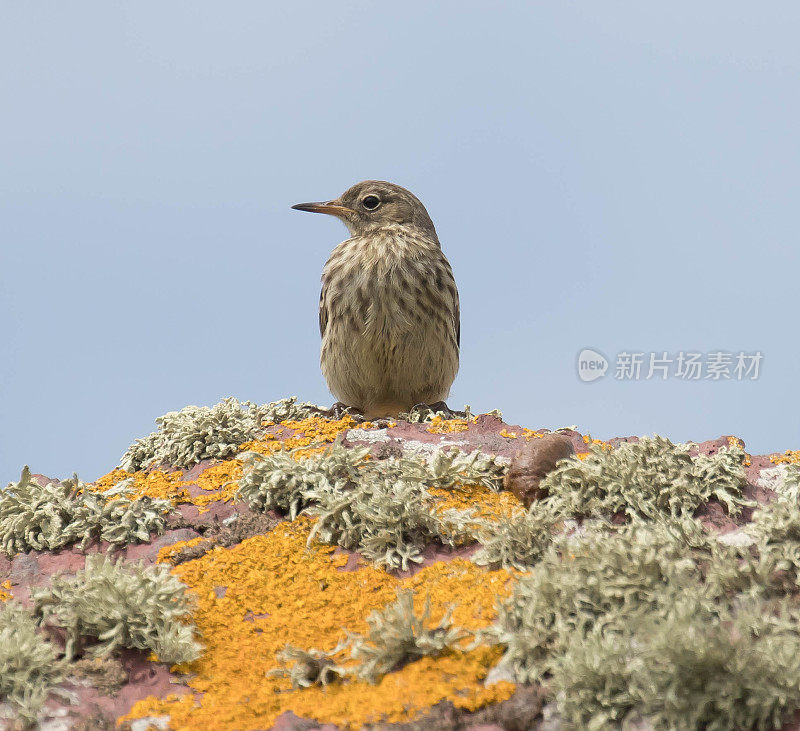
(605,446)
(220,481)
(484,502)
(313,430)
(790,456)
(527,433)
(301,596)
(155,484)
(5,590)
(440,425)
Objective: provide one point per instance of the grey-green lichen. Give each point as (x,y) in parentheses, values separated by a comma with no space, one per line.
(650,477)
(656,620)
(606,573)
(309,667)
(195,433)
(280,482)
(396,635)
(29,664)
(789,486)
(115,604)
(448,469)
(381,508)
(48,517)
(691,668)
(517,542)
(386,517)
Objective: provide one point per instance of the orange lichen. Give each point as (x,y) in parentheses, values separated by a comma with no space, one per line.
(790,456)
(220,482)
(5,590)
(155,484)
(484,502)
(605,446)
(446,426)
(527,433)
(112,478)
(301,596)
(313,430)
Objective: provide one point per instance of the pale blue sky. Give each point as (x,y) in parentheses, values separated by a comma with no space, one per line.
(622,176)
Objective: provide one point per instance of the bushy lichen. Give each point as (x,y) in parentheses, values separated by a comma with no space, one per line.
(690,668)
(29,665)
(194,433)
(652,479)
(120,605)
(658,620)
(449,468)
(309,667)
(36,517)
(280,482)
(647,478)
(776,530)
(384,515)
(784,479)
(606,576)
(381,508)
(518,542)
(397,635)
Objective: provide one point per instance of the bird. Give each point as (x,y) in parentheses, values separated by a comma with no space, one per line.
(389,312)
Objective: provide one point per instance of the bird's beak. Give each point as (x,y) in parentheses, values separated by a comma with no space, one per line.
(334,208)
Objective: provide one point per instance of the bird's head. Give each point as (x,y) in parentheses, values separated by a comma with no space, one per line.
(374,204)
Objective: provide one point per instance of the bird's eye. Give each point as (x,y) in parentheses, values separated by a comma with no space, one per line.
(371,202)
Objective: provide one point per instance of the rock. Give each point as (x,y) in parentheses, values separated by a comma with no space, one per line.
(532,462)
(24,569)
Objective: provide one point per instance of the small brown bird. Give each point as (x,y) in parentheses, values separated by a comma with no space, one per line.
(388,311)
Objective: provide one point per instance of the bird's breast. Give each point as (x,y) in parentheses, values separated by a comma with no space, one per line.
(378,282)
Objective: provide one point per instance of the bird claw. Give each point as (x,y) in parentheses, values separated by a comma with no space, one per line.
(438,407)
(339,410)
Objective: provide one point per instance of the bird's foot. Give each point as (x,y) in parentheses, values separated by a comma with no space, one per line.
(420,412)
(339,410)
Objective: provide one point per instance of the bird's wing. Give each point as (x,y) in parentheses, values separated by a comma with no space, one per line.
(457,316)
(323,313)
(456,309)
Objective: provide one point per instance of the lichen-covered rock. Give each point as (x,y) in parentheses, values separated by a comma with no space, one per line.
(120,605)
(195,433)
(29,665)
(402,587)
(58,513)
